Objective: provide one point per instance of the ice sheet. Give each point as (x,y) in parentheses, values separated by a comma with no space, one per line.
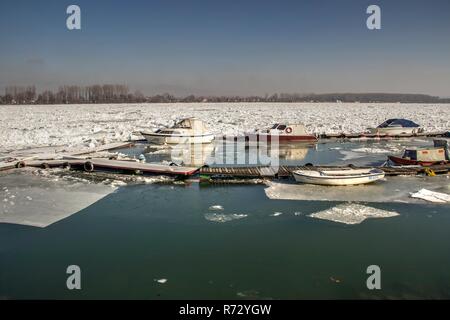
(388,149)
(220,217)
(37,201)
(216,207)
(352,213)
(431,196)
(393,189)
(91,125)
(349,155)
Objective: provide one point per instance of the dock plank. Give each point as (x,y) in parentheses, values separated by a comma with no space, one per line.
(119,165)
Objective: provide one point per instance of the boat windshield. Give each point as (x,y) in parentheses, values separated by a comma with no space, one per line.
(410,154)
(274,126)
(281,127)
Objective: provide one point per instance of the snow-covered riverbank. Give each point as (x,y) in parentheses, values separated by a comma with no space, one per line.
(31,126)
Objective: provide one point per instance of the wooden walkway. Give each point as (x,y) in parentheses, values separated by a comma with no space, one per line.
(381,136)
(286,171)
(119,166)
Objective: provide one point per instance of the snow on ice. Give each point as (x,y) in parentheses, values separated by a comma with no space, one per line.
(89,125)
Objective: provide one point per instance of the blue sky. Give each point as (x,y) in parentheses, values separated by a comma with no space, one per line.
(229,47)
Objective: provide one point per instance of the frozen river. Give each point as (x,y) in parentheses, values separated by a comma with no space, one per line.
(188,240)
(89,125)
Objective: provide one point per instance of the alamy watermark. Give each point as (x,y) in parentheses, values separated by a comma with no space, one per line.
(73,21)
(73,282)
(373,22)
(374,280)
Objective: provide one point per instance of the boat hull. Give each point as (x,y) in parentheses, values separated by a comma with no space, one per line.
(272,138)
(341,180)
(155,138)
(394,131)
(408,162)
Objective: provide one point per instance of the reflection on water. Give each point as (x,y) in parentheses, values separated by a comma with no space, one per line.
(297,151)
(226,153)
(192,154)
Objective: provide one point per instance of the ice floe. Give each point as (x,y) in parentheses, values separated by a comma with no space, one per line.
(349,155)
(394,189)
(431,196)
(75,125)
(375,150)
(352,213)
(41,201)
(216,217)
(162,281)
(216,207)
(276,214)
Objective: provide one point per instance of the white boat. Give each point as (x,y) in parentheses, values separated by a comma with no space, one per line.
(339,177)
(190,130)
(397,127)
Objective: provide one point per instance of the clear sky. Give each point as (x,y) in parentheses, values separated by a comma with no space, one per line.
(229,47)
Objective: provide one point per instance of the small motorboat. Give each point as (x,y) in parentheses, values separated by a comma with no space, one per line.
(345,177)
(396,127)
(277,133)
(190,130)
(421,156)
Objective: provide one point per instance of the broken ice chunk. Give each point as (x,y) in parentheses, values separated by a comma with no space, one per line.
(431,196)
(161,280)
(216,217)
(216,207)
(352,213)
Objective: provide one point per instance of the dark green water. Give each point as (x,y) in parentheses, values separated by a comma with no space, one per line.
(146,232)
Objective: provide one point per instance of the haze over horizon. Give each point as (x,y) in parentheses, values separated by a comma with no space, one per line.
(229,48)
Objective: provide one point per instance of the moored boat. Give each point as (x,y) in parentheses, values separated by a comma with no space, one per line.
(338,177)
(396,127)
(190,130)
(421,156)
(277,133)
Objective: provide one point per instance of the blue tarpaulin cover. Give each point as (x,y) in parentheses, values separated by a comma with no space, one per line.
(398,122)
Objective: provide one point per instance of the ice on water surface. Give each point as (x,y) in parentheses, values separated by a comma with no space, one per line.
(75,125)
(216,217)
(394,189)
(352,213)
(276,214)
(216,207)
(431,196)
(40,201)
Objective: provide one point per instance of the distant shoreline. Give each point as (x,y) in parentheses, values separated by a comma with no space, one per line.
(225,103)
(114,93)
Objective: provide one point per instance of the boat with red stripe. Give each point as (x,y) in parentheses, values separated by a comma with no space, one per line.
(278,132)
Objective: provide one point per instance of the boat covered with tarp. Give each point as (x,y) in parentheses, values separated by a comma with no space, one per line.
(397,127)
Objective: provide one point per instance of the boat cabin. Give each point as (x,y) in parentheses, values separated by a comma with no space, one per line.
(291,129)
(443,143)
(191,123)
(425,154)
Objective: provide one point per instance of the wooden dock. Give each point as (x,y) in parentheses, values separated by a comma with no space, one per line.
(18,158)
(119,166)
(325,136)
(264,172)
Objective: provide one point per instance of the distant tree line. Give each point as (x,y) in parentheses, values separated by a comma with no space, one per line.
(107,93)
(118,93)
